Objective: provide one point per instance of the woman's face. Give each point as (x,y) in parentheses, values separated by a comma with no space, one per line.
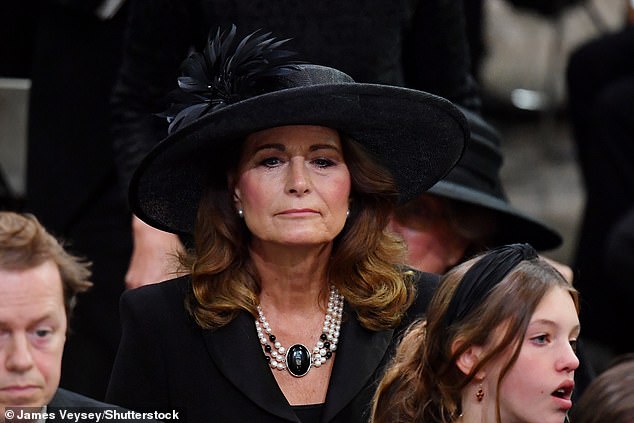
(293,185)
(538,387)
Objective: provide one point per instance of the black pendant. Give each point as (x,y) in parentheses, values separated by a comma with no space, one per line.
(298,360)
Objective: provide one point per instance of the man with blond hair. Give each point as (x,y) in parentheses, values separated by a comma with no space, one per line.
(39,281)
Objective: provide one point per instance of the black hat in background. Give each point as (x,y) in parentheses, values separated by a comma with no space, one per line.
(476,180)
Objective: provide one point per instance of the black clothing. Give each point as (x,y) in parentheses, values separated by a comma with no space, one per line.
(65,398)
(72,185)
(600,81)
(309,413)
(165,360)
(67,401)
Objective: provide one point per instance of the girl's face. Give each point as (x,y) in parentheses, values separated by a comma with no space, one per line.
(293,185)
(538,388)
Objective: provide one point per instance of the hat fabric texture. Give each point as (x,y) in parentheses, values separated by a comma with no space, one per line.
(476,180)
(417,136)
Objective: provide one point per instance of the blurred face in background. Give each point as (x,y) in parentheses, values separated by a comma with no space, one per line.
(433,243)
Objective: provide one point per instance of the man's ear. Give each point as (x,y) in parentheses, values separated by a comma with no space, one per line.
(468,359)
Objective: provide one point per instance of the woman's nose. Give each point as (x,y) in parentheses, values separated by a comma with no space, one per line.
(298,180)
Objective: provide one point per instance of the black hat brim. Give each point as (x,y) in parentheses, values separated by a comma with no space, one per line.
(417,136)
(511,225)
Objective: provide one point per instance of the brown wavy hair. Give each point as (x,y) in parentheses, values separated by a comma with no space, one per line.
(423,384)
(25,243)
(365,259)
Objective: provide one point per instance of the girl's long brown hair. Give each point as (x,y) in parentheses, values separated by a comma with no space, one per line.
(423,384)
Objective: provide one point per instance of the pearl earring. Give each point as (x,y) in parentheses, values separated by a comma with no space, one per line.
(241,213)
(347,213)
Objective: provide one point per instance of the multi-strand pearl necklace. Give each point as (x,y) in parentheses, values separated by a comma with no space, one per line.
(297,359)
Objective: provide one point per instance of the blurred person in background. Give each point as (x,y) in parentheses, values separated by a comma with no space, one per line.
(71,180)
(600,82)
(467,213)
(610,397)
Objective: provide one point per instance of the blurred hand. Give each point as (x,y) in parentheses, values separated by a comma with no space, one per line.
(154,255)
(564,269)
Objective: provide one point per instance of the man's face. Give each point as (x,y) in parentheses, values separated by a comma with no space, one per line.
(32,335)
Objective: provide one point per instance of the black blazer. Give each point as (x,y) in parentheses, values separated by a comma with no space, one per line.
(166,361)
(73,402)
(64,398)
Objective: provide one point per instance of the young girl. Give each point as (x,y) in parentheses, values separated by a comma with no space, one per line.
(498,346)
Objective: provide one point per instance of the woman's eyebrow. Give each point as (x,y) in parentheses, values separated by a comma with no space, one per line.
(316,147)
(270,146)
(282,147)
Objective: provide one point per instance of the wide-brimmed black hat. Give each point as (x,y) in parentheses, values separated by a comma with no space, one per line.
(417,136)
(476,180)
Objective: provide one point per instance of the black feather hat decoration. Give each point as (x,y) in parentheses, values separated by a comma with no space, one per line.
(225,73)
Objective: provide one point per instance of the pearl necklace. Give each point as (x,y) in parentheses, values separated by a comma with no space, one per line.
(297,359)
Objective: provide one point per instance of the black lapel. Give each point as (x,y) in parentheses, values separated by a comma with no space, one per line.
(60,399)
(236,350)
(359,353)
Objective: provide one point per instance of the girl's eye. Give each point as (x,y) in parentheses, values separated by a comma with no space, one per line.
(573,344)
(323,163)
(540,339)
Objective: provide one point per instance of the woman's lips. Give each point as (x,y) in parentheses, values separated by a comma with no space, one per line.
(297,212)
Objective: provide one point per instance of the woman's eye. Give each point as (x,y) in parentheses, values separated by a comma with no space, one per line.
(573,344)
(323,163)
(271,162)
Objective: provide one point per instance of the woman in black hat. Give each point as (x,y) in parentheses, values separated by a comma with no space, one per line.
(286,175)
(468,211)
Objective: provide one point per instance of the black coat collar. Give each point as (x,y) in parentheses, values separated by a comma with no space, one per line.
(236,350)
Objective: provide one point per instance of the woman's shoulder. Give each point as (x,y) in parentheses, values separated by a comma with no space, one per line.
(164,294)
(158,308)
(426,284)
